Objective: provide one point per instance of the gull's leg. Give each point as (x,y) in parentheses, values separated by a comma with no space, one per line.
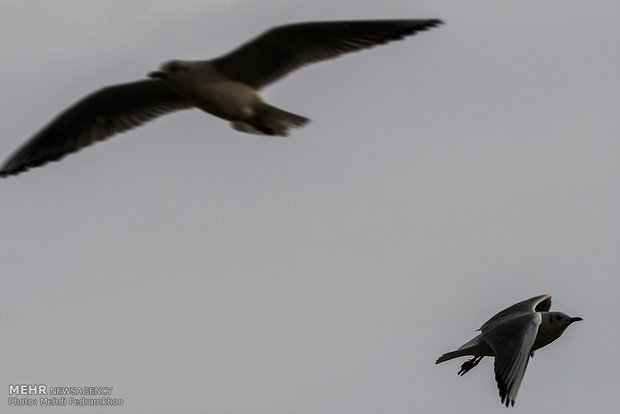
(469,364)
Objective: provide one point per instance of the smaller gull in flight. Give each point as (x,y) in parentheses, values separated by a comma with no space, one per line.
(226,87)
(511,337)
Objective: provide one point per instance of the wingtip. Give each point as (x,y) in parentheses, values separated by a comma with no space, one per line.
(6,172)
(9,170)
(430,23)
(505,399)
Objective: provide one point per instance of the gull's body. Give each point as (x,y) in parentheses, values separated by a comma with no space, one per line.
(512,336)
(227,87)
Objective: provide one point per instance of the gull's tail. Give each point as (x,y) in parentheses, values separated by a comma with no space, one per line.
(270,120)
(474,347)
(451,355)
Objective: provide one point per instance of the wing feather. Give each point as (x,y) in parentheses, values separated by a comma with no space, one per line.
(541,303)
(512,342)
(98,116)
(283,49)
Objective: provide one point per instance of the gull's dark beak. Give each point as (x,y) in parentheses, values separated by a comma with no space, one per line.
(158,74)
(575,319)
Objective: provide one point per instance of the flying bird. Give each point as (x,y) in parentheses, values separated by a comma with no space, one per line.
(511,337)
(227,87)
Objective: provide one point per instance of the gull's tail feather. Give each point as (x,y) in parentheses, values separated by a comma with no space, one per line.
(451,355)
(472,347)
(271,121)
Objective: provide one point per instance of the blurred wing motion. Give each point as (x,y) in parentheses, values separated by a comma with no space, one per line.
(283,49)
(96,117)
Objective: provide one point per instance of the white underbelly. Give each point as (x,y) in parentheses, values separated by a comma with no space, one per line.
(226,99)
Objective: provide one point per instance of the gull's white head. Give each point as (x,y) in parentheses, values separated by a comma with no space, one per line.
(172,69)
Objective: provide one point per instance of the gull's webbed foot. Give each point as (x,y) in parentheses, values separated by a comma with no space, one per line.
(469,364)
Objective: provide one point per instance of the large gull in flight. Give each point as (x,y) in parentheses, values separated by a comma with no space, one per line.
(226,87)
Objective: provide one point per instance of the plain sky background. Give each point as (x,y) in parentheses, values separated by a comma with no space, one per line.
(197,269)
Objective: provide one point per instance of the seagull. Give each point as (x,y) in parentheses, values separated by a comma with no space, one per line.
(511,337)
(227,87)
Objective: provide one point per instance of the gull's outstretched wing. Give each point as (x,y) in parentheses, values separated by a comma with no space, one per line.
(511,341)
(283,49)
(540,303)
(96,117)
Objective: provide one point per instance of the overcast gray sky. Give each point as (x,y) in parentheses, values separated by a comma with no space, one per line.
(198,269)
